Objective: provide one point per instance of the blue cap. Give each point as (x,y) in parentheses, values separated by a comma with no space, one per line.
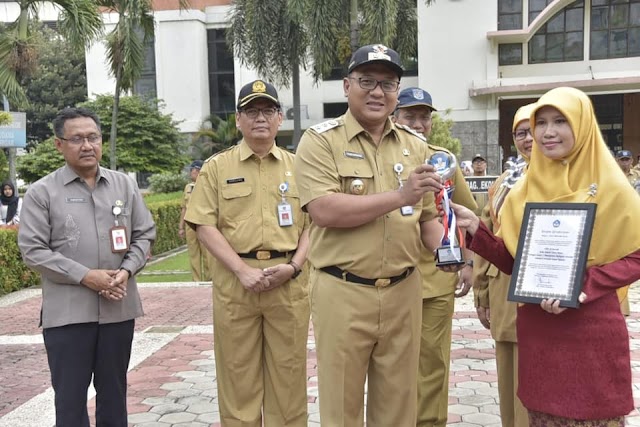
(624,154)
(196,164)
(414,96)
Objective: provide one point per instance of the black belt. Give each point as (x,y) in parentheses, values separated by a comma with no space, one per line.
(264,255)
(350,277)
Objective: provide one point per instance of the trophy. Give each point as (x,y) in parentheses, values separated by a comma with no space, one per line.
(450,252)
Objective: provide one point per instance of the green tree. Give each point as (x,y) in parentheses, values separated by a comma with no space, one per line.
(59,81)
(147,141)
(4,166)
(125,52)
(40,161)
(441,133)
(215,134)
(323,32)
(79,22)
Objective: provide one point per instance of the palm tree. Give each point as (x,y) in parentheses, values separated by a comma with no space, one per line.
(216,134)
(125,51)
(79,22)
(277,37)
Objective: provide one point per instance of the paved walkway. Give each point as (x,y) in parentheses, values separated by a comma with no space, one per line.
(172,375)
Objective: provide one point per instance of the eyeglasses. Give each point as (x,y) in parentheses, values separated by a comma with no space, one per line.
(253,113)
(368,83)
(94,139)
(522,134)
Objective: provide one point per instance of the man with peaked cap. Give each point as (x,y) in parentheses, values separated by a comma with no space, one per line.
(624,158)
(197,252)
(370,195)
(479,166)
(491,286)
(246,210)
(414,110)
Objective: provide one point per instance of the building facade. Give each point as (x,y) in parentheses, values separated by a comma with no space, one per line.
(486,59)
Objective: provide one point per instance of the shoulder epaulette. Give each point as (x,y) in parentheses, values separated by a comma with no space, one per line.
(408,129)
(438,148)
(328,125)
(224,150)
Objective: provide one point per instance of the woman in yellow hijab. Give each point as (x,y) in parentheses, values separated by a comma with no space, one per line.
(574,364)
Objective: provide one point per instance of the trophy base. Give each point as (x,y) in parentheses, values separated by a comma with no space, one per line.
(446,255)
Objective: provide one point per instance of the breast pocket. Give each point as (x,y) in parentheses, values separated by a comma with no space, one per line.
(356,177)
(237,203)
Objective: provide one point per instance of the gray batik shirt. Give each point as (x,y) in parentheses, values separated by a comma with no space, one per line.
(64,232)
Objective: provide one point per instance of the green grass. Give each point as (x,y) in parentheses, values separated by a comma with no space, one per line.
(162,197)
(177,263)
(156,278)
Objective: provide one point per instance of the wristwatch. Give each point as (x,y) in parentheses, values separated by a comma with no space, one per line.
(296,269)
(469,262)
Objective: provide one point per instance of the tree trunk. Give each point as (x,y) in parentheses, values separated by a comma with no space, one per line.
(353,26)
(295,82)
(114,121)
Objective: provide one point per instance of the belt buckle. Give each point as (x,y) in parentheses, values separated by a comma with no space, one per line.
(382,283)
(263,255)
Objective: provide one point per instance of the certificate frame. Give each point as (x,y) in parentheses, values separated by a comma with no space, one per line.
(553,248)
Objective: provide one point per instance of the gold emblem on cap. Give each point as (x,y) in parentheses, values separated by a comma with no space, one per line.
(357,187)
(259,86)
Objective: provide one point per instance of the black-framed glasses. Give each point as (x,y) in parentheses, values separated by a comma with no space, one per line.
(253,113)
(367,83)
(93,139)
(522,134)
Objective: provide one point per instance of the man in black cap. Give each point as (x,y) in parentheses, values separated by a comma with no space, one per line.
(197,252)
(414,110)
(625,161)
(247,212)
(369,193)
(479,166)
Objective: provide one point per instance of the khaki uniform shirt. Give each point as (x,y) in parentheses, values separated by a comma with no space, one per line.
(335,157)
(188,189)
(436,282)
(633,176)
(237,192)
(491,286)
(65,232)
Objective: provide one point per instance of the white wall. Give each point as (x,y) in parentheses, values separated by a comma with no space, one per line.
(455,52)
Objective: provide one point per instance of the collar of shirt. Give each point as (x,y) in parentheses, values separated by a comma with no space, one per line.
(354,128)
(69,175)
(246,152)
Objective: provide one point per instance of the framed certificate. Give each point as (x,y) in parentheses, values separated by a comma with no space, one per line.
(552,252)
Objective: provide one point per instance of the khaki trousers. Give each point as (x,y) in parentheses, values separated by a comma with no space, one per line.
(435,354)
(366,333)
(512,413)
(260,343)
(197,257)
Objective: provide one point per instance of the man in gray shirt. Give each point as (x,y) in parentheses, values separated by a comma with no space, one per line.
(87,231)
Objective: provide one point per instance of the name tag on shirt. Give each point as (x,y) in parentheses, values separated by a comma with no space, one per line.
(75,200)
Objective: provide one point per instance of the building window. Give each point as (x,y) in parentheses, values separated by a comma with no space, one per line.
(510,54)
(561,38)
(146,84)
(509,14)
(510,18)
(615,29)
(221,74)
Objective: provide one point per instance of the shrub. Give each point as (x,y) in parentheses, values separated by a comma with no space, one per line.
(167,182)
(167,217)
(14,274)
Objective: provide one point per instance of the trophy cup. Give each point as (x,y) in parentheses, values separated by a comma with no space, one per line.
(450,252)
